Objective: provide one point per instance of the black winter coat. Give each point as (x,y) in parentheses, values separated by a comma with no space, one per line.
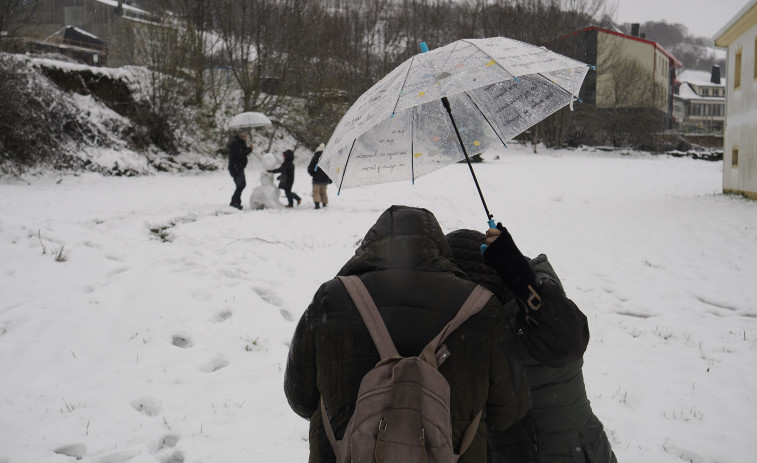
(286,169)
(404,262)
(319,176)
(238,152)
(560,426)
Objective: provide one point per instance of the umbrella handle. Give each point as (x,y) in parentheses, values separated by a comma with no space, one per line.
(492,224)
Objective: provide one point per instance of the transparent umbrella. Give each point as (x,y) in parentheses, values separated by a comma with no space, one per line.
(445,105)
(249,120)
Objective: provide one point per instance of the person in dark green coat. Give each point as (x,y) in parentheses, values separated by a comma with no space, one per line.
(560,426)
(404,261)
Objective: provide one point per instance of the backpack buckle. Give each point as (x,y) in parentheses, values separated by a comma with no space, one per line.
(534,299)
(382,425)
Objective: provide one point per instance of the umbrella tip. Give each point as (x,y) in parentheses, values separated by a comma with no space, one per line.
(424,47)
(593,68)
(516,79)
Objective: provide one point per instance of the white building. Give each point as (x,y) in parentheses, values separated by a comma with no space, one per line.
(740,146)
(699,105)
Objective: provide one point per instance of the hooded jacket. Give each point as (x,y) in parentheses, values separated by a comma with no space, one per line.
(404,261)
(238,152)
(560,427)
(319,175)
(286,169)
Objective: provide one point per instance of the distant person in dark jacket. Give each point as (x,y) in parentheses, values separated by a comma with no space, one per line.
(553,333)
(238,152)
(286,179)
(404,261)
(320,179)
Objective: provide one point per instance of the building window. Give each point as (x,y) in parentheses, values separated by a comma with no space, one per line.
(737,71)
(705,92)
(754,61)
(735,156)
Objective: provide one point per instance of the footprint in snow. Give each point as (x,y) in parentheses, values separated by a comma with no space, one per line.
(146,406)
(202,295)
(119,456)
(634,314)
(215,364)
(73,450)
(167,441)
(117,271)
(268,295)
(175,457)
(181,341)
(222,316)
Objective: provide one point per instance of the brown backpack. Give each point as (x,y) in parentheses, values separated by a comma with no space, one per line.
(402,412)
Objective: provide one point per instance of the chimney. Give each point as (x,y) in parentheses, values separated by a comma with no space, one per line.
(715,78)
(635,29)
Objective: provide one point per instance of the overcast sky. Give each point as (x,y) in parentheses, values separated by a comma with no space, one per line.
(702,17)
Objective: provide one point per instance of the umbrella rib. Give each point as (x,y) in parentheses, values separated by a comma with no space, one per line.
(347,161)
(485,118)
(412,147)
(539,74)
(490,56)
(409,67)
(446,60)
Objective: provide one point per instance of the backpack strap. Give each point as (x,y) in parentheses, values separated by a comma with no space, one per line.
(371,316)
(376,327)
(383,341)
(327,425)
(435,354)
(475,302)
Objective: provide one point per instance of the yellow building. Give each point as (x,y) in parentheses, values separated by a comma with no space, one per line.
(739,36)
(632,72)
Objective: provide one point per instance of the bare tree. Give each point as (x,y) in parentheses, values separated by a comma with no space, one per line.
(196,40)
(13,15)
(636,103)
(164,86)
(248,31)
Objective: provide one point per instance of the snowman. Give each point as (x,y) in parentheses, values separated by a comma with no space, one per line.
(266,195)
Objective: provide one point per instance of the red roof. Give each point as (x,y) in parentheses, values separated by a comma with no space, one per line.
(676,63)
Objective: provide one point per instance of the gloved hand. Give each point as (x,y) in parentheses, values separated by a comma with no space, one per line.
(514,268)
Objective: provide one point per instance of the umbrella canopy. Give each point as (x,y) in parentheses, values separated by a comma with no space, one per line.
(401,127)
(249,120)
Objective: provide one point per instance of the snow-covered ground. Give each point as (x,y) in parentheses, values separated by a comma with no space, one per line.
(163,334)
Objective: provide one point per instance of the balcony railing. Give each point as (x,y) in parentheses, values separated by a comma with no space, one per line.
(58,41)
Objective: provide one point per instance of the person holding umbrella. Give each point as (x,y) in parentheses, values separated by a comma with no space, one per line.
(553,334)
(239,149)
